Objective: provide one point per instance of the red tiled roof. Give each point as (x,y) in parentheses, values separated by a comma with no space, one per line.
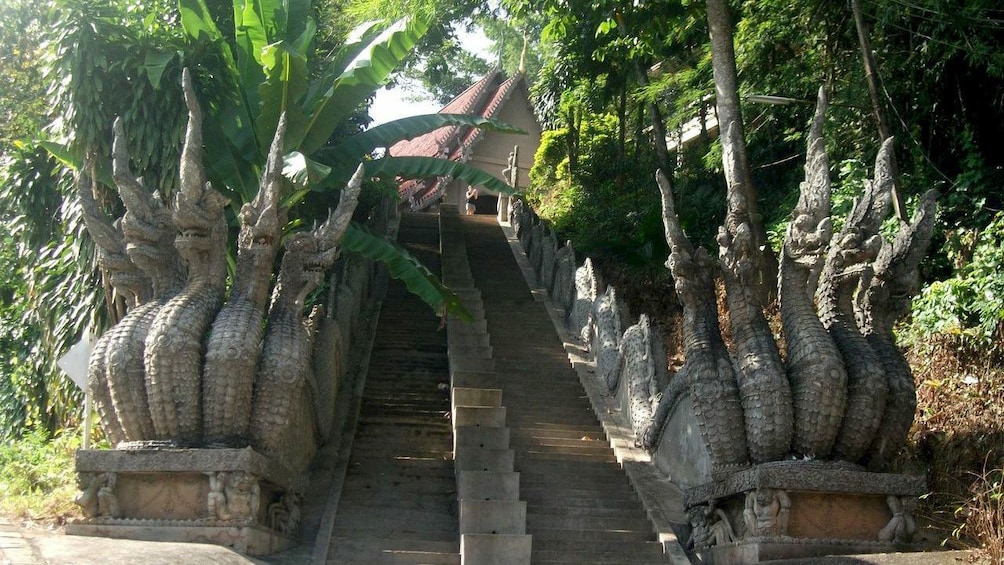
(484,98)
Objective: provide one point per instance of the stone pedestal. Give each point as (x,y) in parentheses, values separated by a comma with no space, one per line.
(801,509)
(231,497)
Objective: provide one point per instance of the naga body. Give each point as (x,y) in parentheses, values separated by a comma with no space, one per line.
(283,377)
(234,346)
(815,367)
(847,265)
(174,345)
(887,299)
(763,387)
(708,369)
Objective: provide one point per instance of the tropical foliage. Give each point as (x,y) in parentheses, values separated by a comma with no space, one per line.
(251,63)
(940,81)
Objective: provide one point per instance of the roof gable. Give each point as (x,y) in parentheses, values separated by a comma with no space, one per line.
(485,99)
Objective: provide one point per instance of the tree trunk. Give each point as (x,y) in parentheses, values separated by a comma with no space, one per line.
(734,160)
(572,143)
(871,77)
(658,125)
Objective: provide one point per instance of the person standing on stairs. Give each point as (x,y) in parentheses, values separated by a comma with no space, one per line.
(472,196)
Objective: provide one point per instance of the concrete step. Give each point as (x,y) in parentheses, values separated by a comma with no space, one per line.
(417,485)
(600,552)
(375,533)
(487,485)
(490,549)
(393,551)
(536,521)
(398,498)
(578,499)
(541,532)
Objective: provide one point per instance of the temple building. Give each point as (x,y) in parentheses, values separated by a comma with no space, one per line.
(495,96)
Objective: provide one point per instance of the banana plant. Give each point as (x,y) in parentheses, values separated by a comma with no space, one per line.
(271,72)
(247,81)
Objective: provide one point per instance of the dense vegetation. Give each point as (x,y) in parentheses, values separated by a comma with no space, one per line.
(940,81)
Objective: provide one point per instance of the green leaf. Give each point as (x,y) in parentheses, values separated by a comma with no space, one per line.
(298,22)
(155,63)
(250,27)
(360,78)
(390,133)
(74,161)
(285,85)
(250,38)
(197,21)
(357,40)
(403,266)
(425,167)
(302,171)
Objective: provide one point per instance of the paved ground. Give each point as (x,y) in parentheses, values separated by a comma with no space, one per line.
(20,546)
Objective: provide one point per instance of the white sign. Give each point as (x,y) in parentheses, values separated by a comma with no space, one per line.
(74,363)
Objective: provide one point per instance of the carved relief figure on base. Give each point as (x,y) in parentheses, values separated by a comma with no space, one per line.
(766,512)
(902,526)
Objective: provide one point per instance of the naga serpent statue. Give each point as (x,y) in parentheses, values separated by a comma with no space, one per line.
(185,366)
(173,356)
(848,263)
(844,391)
(887,299)
(235,341)
(763,387)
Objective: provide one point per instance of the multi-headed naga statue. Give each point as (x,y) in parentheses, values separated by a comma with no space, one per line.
(844,390)
(190,365)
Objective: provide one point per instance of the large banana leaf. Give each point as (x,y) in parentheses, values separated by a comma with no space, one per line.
(403,266)
(72,160)
(425,167)
(233,126)
(358,146)
(284,87)
(359,79)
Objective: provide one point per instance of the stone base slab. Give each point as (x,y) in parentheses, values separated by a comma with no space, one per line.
(249,540)
(232,497)
(801,509)
(745,553)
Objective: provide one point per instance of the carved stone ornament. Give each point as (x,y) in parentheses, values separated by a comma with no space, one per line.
(767,512)
(710,526)
(902,525)
(97,498)
(284,515)
(234,497)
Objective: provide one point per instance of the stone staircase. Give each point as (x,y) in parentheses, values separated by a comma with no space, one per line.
(478,444)
(398,499)
(580,507)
